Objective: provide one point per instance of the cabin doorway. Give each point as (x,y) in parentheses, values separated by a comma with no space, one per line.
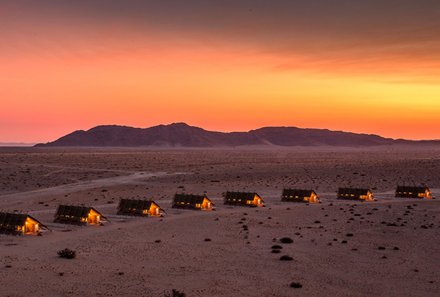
(206,204)
(93,218)
(257,201)
(31,226)
(154,210)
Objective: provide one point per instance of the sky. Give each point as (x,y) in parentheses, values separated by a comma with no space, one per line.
(231,65)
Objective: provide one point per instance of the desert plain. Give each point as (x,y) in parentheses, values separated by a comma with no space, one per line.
(387,247)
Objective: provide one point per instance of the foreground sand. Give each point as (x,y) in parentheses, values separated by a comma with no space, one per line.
(392,246)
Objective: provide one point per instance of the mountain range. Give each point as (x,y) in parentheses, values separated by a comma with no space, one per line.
(184,135)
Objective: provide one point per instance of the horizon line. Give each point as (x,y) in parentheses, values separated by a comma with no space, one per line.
(26,144)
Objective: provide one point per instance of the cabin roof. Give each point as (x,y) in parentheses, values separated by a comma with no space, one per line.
(192,199)
(16,219)
(355,191)
(136,204)
(298,192)
(414,189)
(75,211)
(241,195)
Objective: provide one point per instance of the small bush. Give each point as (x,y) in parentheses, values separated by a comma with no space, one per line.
(295,285)
(286,258)
(67,254)
(175,293)
(286,240)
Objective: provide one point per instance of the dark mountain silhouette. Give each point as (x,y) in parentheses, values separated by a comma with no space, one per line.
(183,135)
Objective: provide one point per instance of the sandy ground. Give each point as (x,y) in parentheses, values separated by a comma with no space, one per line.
(390,247)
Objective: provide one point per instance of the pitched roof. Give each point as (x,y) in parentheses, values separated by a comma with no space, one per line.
(298,192)
(135,204)
(12,219)
(240,195)
(75,211)
(130,205)
(189,198)
(414,189)
(354,191)
(16,219)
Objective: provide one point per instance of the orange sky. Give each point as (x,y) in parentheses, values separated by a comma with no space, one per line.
(62,72)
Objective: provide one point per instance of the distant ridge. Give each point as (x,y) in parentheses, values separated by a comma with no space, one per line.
(183,135)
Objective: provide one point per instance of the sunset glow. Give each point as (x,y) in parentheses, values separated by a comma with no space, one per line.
(64,69)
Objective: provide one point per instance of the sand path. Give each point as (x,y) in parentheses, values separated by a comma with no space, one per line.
(135,178)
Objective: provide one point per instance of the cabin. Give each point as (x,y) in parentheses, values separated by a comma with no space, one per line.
(190,201)
(143,208)
(413,192)
(19,224)
(243,199)
(297,195)
(355,194)
(78,215)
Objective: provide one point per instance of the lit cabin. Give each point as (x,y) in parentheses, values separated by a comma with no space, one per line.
(296,195)
(134,207)
(78,215)
(189,201)
(243,199)
(413,192)
(19,224)
(355,194)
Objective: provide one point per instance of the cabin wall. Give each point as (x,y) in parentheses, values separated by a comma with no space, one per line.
(241,202)
(185,205)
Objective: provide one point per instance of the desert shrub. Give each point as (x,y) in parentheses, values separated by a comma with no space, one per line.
(175,293)
(286,240)
(67,254)
(295,285)
(286,258)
